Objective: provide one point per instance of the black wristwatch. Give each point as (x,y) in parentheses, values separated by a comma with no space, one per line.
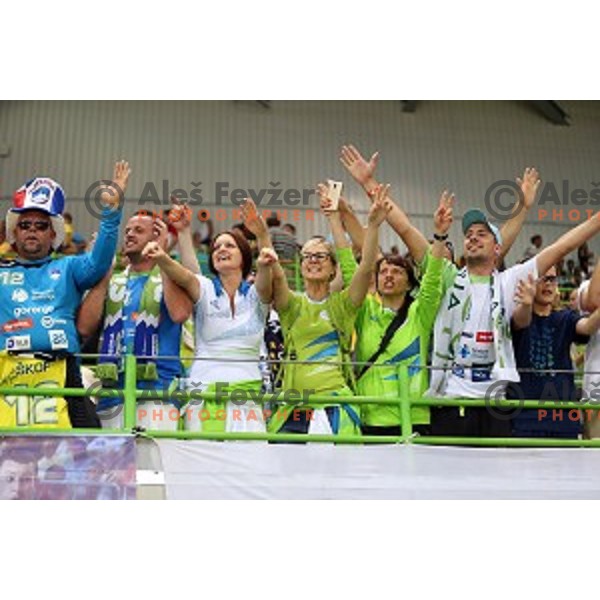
(440,238)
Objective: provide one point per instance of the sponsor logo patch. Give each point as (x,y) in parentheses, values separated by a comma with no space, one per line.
(20,295)
(48,322)
(32,310)
(19,342)
(58,339)
(485,337)
(17,324)
(47,295)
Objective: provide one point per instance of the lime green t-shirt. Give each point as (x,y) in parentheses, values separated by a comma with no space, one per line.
(449,271)
(409,347)
(310,335)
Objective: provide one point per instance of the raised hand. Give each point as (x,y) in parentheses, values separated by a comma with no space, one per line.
(253,220)
(121,174)
(161,232)
(443,216)
(325,202)
(180,215)
(525,291)
(529,185)
(154,251)
(267,258)
(381,206)
(111,195)
(361,170)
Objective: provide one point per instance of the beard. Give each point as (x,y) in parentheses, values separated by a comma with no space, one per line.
(32,249)
(478,261)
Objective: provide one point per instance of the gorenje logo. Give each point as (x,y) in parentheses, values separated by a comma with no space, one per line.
(32,310)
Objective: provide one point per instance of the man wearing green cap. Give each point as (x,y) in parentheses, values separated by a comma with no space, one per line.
(473,353)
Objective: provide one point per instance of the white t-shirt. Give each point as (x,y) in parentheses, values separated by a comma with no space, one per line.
(591,382)
(220,334)
(476,348)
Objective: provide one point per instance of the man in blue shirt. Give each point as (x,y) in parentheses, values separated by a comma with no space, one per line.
(39,294)
(545,347)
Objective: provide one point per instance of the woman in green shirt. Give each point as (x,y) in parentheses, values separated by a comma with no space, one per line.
(409,318)
(318,326)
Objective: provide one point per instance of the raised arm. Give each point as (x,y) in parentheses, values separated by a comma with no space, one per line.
(177,301)
(347,265)
(352,225)
(256,224)
(359,286)
(363,173)
(589,325)
(179,275)
(180,217)
(333,217)
(281,288)
(90,268)
(529,186)
(442,221)
(590,299)
(568,242)
(431,291)
(264,274)
(524,297)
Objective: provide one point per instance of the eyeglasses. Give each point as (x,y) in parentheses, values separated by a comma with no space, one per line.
(37,225)
(548,279)
(318,256)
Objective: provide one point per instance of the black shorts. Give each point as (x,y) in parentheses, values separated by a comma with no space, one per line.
(395,430)
(446,421)
(480,422)
(82,411)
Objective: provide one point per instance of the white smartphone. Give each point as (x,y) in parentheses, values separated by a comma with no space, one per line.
(334,192)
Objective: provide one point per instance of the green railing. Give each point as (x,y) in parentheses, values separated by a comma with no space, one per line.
(130,396)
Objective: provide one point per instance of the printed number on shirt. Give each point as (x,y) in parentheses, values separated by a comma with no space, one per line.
(34,410)
(11,278)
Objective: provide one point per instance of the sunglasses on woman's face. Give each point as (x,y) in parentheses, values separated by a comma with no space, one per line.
(37,225)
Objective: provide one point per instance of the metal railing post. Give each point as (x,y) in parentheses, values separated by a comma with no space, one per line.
(405,418)
(129,392)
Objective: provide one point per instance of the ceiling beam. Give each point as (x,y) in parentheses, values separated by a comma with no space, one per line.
(552,110)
